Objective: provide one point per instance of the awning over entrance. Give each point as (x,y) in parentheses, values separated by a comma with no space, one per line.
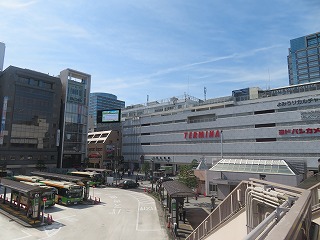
(177,189)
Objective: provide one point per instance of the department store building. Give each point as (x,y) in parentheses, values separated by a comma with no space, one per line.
(279,124)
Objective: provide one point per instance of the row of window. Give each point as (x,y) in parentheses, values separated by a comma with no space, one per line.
(27,157)
(35,82)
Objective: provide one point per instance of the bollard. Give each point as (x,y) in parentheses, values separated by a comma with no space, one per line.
(51,219)
(99,200)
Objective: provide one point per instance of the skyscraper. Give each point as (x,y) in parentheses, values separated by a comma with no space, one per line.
(2,49)
(75,97)
(304,59)
(102,101)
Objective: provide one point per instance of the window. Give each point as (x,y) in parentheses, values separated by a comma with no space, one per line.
(265,125)
(266,139)
(264,111)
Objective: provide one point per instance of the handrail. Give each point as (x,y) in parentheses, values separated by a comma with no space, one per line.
(229,206)
(298,214)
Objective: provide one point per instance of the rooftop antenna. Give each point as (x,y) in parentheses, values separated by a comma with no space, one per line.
(205,93)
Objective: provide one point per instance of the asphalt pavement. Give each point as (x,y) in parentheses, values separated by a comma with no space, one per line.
(197,209)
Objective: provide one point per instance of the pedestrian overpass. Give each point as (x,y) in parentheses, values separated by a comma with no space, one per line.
(259,209)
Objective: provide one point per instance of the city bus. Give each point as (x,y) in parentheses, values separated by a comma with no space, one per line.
(104,172)
(49,194)
(94,179)
(36,181)
(67,192)
(24,178)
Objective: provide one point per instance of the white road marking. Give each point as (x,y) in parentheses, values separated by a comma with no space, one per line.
(28,235)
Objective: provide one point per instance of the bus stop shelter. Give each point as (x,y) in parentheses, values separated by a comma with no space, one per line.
(176,193)
(55,176)
(28,196)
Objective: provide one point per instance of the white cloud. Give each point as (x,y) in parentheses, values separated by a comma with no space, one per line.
(16,4)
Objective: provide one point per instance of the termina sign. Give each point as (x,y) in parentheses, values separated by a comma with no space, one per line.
(202,134)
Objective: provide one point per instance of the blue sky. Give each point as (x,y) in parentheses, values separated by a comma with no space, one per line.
(160,49)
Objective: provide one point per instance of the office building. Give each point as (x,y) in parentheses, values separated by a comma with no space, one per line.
(102,101)
(275,124)
(75,98)
(304,59)
(2,51)
(30,103)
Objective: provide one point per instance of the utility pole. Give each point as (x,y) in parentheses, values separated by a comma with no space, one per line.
(221,142)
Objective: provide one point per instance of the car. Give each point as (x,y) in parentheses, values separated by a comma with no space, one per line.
(128,184)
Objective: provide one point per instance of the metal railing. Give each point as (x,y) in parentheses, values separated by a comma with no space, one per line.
(233,203)
(294,223)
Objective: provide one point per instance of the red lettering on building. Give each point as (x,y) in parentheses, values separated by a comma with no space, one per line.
(299,131)
(202,134)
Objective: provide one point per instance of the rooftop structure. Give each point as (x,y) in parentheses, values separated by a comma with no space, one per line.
(254,166)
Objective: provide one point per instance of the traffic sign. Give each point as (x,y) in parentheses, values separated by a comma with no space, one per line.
(44,199)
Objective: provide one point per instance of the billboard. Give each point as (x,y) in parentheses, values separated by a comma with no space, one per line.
(109,116)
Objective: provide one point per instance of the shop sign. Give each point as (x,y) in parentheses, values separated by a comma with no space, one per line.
(299,131)
(202,134)
(290,103)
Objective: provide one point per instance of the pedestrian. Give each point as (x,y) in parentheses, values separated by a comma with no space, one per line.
(213,200)
(180,212)
(184,215)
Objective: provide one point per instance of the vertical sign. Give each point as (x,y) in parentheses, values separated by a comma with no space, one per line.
(3,118)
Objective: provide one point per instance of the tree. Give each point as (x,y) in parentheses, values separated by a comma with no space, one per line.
(145,167)
(40,165)
(194,163)
(186,176)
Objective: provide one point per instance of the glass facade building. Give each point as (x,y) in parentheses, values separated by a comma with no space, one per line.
(75,98)
(102,101)
(304,59)
(30,103)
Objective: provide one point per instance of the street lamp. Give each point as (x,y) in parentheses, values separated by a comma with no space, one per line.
(221,142)
(152,174)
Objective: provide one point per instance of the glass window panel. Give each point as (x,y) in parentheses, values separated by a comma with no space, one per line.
(314,63)
(301,54)
(312,51)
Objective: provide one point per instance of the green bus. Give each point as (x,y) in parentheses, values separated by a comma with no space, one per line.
(104,173)
(49,194)
(67,192)
(94,179)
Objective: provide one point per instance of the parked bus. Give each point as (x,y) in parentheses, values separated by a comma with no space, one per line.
(49,194)
(94,179)
(36,181)
(27,178)
(104,172)
(67,192)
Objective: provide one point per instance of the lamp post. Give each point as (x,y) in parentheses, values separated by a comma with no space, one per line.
(152,174)
(221,143)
